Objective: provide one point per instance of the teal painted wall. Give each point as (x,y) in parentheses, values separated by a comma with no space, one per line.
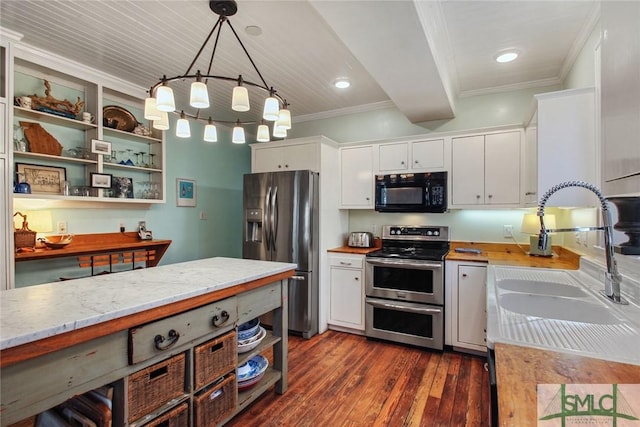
(216,167)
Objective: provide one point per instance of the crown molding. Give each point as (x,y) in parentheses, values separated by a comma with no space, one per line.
(343,111)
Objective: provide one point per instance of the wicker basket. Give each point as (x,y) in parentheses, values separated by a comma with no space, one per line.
(24,238)
(156,385)
(215,404)
(215,358)
(177,417)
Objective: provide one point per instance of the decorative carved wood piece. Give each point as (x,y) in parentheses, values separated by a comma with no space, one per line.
(40,141)
(55,104)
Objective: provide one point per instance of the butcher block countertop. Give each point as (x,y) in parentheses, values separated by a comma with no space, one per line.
(358,251)
(511,254)
(520,370)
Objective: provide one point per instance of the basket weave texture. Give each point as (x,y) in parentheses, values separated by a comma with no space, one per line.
(24,239)
(177,417)
(217,403)
(156,385)
(215,358)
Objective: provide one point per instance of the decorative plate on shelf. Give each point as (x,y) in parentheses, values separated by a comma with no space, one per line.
(256,366)
(116,117)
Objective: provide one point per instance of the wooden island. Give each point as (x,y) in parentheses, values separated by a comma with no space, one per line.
(58,342)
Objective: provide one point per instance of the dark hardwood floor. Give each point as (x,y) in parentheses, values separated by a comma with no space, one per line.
(339,379)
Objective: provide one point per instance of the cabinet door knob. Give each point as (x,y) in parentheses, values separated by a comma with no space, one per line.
(286,166)
(490,195)
(171,340)
(279,166)
(217,322)
(402,162)
(367,199)
(477,196)
(464,274)
(356,278)
(530,193)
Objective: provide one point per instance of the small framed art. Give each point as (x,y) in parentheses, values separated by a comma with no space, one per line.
(186,192)
(100,180)
(101,147)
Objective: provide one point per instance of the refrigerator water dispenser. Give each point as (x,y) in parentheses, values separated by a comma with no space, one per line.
(254,225)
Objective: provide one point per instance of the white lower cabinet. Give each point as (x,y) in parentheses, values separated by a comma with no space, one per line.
(346,308)
(466,305)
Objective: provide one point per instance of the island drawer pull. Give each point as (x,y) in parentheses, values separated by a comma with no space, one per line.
(216,320)
(172,339)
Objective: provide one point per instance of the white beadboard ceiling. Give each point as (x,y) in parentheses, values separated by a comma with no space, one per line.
(417,55)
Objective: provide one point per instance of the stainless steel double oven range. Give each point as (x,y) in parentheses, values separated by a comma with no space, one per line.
(404,283)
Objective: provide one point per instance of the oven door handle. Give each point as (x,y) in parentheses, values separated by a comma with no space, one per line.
(406,309)
(405,264)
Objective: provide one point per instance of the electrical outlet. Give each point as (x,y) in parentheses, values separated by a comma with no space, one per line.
(62,227)
(507,230)
(204,215)
(122,227)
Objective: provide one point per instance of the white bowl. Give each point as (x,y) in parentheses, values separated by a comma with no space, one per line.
(248,345)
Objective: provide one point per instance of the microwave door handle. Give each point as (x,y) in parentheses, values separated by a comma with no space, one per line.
(405,264)
(404,308)
(267,227)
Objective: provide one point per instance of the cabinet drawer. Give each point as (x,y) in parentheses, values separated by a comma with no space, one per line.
(346,261)
(173,332)
(259,301)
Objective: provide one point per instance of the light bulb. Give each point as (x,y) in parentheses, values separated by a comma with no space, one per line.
(151,111)
(199,95)
(263,133)
(210,132)
(182,127)
(240,97)
(164,99)
(238,134)
(163,123)
(271,107)
(279,131)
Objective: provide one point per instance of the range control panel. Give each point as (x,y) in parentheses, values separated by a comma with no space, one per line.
(415,232)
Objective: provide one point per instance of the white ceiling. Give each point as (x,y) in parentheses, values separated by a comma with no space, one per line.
(417,55)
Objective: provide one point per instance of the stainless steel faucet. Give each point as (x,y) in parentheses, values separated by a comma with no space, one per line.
(612,277)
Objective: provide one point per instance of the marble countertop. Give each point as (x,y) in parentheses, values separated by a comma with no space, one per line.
(613,337)
(36,312)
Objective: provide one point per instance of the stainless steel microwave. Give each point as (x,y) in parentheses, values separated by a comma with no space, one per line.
(412,192)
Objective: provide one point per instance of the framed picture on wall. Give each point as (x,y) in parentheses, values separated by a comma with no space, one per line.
(100,180)
(186,192)
(42,179)
(100,147)
(122,187)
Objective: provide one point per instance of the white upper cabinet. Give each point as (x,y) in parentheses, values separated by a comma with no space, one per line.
(486,170)
(356,177)
(561,146)
(411,156)
(275,157)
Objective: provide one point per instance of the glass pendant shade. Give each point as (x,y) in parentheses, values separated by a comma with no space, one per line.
(151,111)
(240,99)
(263,133)
(238,134)
(271,107)
(182,127)
(163,123)
(210,133)
(199,95)
(164,99)
(284,119)
(279,131)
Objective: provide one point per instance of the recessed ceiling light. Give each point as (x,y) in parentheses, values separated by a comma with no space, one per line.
(507,56)
(342,83)
(253,30)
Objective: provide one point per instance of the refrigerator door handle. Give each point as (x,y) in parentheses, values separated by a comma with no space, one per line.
(267,228)
(274,218)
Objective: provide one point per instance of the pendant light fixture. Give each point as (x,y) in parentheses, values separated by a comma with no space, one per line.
(210,132)
(161,97)
(238,134)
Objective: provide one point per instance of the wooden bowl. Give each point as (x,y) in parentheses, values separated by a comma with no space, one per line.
(58,241)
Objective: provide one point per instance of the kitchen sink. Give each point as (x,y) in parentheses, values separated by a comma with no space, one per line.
(541,288)
(559,308)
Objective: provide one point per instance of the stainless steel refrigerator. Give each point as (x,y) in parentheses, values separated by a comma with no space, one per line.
(281,224)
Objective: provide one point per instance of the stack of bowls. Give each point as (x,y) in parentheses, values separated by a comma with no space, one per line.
(252,372)
(250,335)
